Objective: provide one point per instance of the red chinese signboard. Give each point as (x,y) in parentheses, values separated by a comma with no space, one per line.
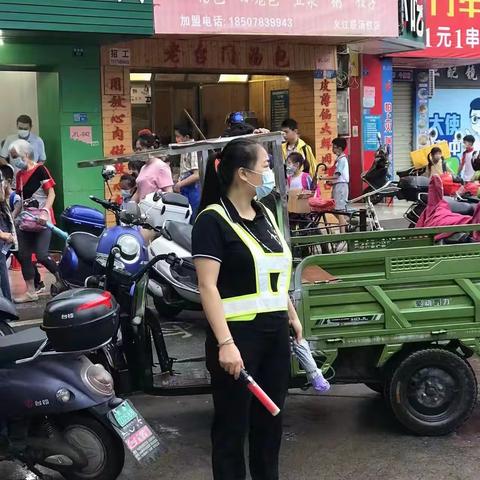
(453,30)
(338,18)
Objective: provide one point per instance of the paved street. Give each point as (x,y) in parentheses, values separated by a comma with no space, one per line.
(347,435)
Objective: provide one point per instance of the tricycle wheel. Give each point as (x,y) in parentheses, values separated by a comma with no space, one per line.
(433,392)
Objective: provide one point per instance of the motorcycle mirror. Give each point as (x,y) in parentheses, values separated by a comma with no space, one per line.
(133,209)
(108,172)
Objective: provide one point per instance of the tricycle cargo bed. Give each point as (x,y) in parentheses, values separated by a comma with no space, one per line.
(361,241)
(392,297)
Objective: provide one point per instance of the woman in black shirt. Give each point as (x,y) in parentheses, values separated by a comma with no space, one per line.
(243,266)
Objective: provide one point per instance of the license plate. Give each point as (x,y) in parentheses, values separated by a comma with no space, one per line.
(137,435)
(124,413)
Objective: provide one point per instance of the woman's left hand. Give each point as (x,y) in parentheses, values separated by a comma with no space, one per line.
(297,327)
(176,188)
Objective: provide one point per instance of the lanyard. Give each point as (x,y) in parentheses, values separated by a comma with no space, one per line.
(271,230)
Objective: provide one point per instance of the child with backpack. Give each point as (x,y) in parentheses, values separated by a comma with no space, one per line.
(298,176)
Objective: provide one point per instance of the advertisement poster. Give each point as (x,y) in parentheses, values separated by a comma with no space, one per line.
(371,128)
(451,121)
(345,18)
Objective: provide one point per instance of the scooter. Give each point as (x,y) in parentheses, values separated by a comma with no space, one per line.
(81,250)
(169,214)
(59,410)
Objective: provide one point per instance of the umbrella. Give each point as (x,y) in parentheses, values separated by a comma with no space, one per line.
(314,374)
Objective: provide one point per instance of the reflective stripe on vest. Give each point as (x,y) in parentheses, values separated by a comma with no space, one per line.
(245,307)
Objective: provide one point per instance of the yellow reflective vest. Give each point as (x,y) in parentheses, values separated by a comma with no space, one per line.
(266,298)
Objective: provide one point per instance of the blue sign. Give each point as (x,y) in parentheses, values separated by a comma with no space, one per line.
(452,114)
(80,118)
(372,125)
(387,107)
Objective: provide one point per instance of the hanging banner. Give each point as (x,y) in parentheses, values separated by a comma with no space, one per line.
(337,18)
(452,30)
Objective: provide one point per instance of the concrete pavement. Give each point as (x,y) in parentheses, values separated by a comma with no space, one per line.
(347,435)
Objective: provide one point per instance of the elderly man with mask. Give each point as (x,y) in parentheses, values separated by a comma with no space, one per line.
(24,131)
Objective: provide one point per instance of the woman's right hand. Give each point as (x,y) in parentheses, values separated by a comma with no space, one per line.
(230,359)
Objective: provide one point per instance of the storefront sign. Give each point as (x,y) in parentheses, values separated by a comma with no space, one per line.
(402,75)
(279,108)
(464,76)
(326,93)
(226,55)
(117,123)
(387,106)
(120,56)
(452,30)
(413,24)
(346,18)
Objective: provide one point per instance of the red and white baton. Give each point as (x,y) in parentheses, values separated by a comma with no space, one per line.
(257,391)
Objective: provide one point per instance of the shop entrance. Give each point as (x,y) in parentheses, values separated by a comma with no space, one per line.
(159,101)
(18,96)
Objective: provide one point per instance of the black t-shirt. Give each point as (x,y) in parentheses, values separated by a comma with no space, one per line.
(213,238)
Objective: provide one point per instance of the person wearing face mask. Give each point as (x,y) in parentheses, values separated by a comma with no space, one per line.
(127,187)
(24,132)
(155,175)
(35,185)
(243,266)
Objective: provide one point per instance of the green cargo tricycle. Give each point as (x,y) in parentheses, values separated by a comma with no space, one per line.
(396,312)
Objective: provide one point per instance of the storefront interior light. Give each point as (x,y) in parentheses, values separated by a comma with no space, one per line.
(140,77)
(224,78)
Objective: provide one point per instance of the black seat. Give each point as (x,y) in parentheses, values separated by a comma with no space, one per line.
(21,345)
(85,245)
(180,233)
(464,208)
(175,199)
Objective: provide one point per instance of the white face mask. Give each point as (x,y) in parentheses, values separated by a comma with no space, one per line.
(23,133)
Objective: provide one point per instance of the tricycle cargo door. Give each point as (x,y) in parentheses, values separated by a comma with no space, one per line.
(392,296)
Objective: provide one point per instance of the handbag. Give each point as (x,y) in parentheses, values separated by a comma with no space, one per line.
(29,219)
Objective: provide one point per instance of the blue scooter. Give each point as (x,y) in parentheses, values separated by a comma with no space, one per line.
(85,251)
(59,410)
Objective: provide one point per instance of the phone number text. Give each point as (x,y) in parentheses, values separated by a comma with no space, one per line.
(262,22)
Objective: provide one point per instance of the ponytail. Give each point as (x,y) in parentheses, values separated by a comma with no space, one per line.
(222,167)
(212,189)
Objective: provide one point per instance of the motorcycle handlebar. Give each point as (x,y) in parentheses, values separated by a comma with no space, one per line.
(170,258)
(105,203)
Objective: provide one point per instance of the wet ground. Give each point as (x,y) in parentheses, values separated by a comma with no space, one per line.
(346,435)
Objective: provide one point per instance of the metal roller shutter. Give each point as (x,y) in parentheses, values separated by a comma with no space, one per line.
(402,125)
